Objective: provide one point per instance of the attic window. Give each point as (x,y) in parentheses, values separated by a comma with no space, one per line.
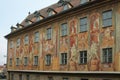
(65,7)
(51,11)
(38,16)
(83,1)
(28,22)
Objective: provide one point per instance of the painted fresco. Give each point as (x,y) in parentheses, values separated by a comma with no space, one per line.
(94,52)
(73,44)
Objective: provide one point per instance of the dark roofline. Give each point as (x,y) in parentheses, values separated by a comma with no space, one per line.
(54,16)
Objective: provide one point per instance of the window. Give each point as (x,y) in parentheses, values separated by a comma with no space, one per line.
(65,78)
(25,61)
(20,77)
(50,13)
(12,76)
(48,59)
(18,42)
(10,62)
(64,29)
(83,24)
(36,37)
(65,7)
(83,57)
(17,61)
(83,1)
(49,33)
(107,18)
(107,55)
(63,58)
(50,78)
(35,60)
(11,44)
(26,39)
(27,77)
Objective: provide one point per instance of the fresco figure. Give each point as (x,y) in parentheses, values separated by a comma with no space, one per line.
(94,42)
(73,47)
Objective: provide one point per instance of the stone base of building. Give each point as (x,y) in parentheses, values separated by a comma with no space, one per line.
(62,75)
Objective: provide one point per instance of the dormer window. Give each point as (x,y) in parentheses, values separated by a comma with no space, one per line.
(66,4)
(19,26)
(38,16)
(51,12)
(83,1)
(28,22)
(65,7)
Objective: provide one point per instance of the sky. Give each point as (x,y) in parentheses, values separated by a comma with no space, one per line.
(13,12)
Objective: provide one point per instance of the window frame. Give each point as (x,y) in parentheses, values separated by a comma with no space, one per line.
(83,26)
(49,33)
(107,57)
(83,58)
(10,63)
(48,59)
(25,61)
(63,59)
(11,44)
(107,19)
(36,36)
(26,39)
(18,42)
(17,61)
(64,29)
(36,60)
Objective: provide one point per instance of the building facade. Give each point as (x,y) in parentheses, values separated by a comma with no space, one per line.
(69,40)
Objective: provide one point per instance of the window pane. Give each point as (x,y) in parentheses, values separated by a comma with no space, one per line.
(83,1)
(107,18)
(36,37)
(83,24)
(64,29)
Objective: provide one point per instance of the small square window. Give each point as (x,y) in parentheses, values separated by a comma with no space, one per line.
(48,59)
(83,24)
(35,60)
(64,29)
(36,37)
(83,57)
(49,33)
(107,18)
(26,39)
(107,55)
(63,58)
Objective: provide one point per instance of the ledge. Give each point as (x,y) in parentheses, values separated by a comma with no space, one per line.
(67,72)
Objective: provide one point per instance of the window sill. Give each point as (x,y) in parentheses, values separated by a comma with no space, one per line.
(107,26)
(83,31)
(82,63)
